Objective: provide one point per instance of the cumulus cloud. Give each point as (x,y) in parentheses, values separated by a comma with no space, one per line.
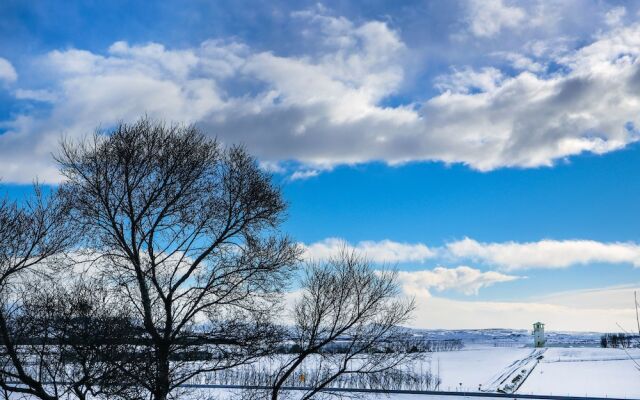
(503,126)
(384,251)
(506,256)
(328,107)
(464,279)
(7,72)
(488,17)
(545,253)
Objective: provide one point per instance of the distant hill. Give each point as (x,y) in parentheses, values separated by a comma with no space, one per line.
(510,337)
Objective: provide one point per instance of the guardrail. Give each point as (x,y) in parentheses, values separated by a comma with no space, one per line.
(419,392)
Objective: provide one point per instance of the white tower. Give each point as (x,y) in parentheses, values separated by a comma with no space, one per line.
(538,334)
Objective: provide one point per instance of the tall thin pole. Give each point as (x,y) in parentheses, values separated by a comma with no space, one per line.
(635,297)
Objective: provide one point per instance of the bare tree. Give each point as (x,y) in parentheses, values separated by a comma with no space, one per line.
(346,323)
(32,236)
(72,328)
(188,233)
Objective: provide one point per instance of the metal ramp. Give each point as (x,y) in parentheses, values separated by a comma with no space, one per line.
(513,376)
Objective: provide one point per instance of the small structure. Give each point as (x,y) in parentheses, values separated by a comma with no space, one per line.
(538,334)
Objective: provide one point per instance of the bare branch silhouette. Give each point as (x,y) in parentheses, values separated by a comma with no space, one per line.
(188,232)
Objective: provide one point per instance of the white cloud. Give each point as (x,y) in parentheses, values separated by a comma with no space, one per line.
(590,108)
(488,17)
(522,62)
(464,279)
(615,16)
(326,107)
(304,174)
(37,95)
(7,72)
(562,315)
(506,256)
(595,310)
(384,251)
(468,80)
(598,309)
(615,297)
(545,253)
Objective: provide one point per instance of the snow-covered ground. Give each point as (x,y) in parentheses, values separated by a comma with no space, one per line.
(577,371)
(473,366)
(503,359)
(562,371)
(586,372)
(234,395)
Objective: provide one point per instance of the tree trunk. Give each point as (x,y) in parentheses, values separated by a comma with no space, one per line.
(163,379)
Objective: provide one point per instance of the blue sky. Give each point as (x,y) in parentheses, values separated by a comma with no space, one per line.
(486,148)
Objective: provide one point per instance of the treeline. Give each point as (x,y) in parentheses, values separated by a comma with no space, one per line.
(619,340)
(409,344)
(262,376)
(443,345)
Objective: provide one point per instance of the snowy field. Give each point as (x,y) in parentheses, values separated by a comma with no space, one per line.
(516,369)
(473,366)
(561,371)
(581,371)
(234,395)
(585,371)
